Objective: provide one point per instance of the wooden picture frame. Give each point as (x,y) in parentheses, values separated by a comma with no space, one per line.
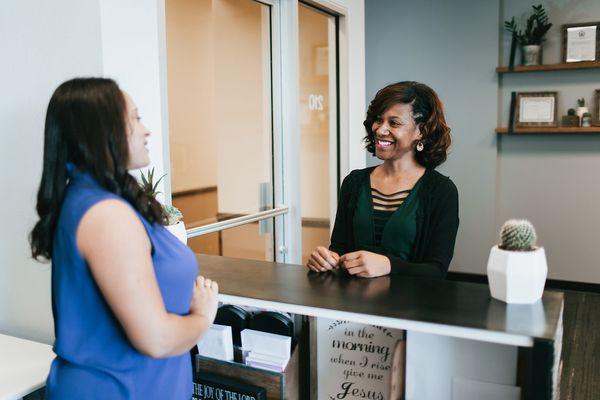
(596,110)
(536,109)
(579,25)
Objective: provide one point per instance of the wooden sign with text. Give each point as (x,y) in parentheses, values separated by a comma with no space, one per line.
(356,361)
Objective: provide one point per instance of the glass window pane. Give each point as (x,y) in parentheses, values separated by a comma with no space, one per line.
(220,123)
(318,124)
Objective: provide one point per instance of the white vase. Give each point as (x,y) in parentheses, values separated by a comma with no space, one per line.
(178,230)
(517,277)
(580,111)
(531,54)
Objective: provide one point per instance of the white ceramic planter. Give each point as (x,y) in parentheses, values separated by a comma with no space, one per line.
(517,277)
(179,231)
(579,112)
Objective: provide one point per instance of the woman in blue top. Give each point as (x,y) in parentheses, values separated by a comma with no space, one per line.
(127,302)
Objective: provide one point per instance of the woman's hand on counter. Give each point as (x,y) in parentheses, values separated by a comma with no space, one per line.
(204,299)
(322,259)
(366,264)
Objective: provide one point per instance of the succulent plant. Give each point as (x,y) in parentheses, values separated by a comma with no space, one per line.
(536,27)
(148,184)
(581,102)
(150,187)
(173,215)
(571,111)
(517,235)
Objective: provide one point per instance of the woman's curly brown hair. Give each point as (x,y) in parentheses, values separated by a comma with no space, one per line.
(428,114)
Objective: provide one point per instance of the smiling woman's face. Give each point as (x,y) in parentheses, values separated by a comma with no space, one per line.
(137,136)
(395,132)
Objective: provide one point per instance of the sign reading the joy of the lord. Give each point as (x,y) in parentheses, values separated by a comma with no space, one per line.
(357,361)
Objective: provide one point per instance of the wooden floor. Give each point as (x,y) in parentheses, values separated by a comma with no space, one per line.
(580,375)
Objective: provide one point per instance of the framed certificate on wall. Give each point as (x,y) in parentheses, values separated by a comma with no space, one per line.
(536,109)
(581,42)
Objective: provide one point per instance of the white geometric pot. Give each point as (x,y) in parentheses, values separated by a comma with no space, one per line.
(517,277)
(178,230)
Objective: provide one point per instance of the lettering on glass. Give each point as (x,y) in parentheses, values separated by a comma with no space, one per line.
(315,102)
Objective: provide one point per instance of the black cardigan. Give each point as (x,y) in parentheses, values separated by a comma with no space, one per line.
(437,224)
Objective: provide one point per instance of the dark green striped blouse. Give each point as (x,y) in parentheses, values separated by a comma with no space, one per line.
(384,206)
(386,223)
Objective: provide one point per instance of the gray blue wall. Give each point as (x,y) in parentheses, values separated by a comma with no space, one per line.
(554,179)
(451,46)
(551,180)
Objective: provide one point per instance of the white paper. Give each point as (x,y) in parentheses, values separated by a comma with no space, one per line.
(254,356)
(467,389)
(268,367)
(536,109)
(217,343)
(581,44)
(266,343)
(266,361)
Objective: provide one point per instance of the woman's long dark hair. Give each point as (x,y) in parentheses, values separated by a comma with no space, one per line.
(86,126)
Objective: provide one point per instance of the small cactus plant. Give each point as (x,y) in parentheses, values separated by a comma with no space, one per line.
(517,235)
(581,102)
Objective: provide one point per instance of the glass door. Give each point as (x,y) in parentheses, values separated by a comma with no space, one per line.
(319,122)
(253,125)
(220,98)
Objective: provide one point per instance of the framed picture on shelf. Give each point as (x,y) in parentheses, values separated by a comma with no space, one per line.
(581,42)
(536,109)
(596,111)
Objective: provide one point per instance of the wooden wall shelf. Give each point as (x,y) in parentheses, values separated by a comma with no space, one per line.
(550,67)
(557,130)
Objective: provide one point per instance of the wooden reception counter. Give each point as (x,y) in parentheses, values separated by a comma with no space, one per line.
(454,309)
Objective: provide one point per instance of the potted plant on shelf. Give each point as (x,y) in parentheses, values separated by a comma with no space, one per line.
(531,38)
(570,120)
(174,221)
(581,109)
(517,268)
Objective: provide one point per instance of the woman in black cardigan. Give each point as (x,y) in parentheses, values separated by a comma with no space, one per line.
(400,217)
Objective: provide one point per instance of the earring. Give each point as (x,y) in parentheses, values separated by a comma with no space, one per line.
(420,146)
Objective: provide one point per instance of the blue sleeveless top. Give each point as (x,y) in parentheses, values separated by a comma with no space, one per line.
(94,358)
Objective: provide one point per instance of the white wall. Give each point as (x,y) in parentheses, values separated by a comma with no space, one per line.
(48,43)
(134,54)
(43,44)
